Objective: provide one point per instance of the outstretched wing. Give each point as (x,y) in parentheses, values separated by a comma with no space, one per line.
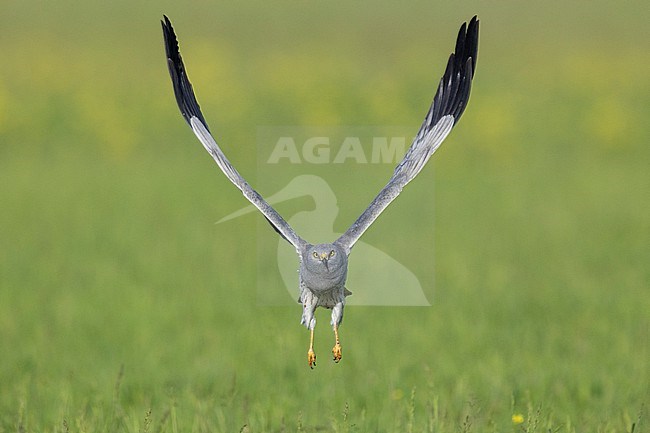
(448,105)
(192,113)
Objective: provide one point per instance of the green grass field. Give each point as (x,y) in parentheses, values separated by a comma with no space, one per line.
(124,308)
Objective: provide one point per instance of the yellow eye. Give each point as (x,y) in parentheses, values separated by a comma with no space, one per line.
(332,253)
(315,254)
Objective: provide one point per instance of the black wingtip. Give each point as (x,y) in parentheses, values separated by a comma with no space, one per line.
(454,89)
(472,40)
(182,88)
(452,94)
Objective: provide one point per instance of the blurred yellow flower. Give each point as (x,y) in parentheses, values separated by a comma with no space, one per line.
(517,418)
(3,107)
(609,121)
(397,394)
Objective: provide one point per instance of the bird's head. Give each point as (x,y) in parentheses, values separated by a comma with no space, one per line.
(324,258)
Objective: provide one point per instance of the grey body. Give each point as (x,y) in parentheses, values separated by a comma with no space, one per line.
(323,267)
(323,272)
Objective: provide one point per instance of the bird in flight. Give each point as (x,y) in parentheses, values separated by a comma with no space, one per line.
(324,267)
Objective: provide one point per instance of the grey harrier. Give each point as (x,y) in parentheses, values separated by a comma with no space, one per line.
(324,267)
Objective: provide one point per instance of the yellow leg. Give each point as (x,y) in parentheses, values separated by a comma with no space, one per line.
(311,356)
(336,350)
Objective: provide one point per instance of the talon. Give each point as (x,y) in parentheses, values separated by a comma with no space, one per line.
(336,352)
(311,359)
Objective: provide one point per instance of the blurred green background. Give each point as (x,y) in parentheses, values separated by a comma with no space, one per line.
(123,307)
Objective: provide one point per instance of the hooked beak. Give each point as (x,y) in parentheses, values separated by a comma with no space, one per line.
(324,259)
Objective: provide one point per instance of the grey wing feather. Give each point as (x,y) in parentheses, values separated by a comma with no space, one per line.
(192,113)
(448,105)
